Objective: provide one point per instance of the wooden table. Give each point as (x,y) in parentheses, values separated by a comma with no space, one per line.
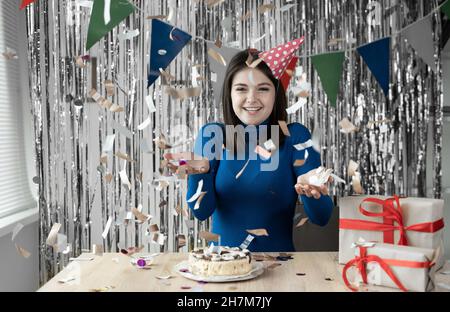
(322,274)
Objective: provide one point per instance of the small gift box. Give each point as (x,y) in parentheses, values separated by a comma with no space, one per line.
(403,267)
(408,221)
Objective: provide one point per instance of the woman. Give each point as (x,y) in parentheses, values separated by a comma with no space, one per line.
(239,195)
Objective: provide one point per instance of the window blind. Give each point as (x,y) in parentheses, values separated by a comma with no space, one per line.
(15,194)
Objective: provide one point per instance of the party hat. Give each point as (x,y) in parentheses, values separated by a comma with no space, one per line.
(281,60)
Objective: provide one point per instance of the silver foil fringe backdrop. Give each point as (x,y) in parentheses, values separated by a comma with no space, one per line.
(399,156)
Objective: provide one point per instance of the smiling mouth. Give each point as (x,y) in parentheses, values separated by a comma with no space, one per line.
(252,109)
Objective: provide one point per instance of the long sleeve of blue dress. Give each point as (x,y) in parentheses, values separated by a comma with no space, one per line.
(257,198)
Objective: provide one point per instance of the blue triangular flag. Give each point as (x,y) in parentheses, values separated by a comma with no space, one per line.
(167,41)
(377,57)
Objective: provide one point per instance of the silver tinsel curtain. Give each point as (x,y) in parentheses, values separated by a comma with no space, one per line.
(399,154)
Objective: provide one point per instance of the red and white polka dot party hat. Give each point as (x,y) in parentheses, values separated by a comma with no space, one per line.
(282,61)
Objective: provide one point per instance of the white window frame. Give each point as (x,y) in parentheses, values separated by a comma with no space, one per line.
(25,214)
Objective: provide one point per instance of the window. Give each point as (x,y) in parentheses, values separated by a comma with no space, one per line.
(15,192)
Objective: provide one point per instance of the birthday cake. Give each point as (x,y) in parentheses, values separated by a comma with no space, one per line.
(220,261)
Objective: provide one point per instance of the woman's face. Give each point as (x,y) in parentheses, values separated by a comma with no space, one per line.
(252,95)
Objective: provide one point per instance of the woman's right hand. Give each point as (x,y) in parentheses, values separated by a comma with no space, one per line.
(188,163)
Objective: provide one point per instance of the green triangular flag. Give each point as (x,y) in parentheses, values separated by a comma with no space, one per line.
(329,67)
(106,14)
(446,8)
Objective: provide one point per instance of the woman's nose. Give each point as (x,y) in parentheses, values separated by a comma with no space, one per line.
(251,96)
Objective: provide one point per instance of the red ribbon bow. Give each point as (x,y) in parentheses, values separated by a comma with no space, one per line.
(361,261)
(392,212)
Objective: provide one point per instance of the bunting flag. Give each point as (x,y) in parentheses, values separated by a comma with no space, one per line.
(376,55)
(167,41)
(24,3)
(420,37)
(106,14)
(446,8)
(329,66)
(217,69)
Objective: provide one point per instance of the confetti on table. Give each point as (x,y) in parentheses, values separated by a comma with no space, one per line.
(301,274)
(347,127)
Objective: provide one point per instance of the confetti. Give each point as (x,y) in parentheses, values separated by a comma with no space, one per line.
(299,162)
(53,235)
(302,222)
(128,34)
(356,183)
(185,287)
(269,145)
(16,230)
(66,279)
(140,216)
(264,8)
(218,42)
(208,236)
(347,127)
(255,63)
(243,169)
(124,156)
(197,192)
(166,75)
(183,93)
(301,274)
(102,289)
(181,241)
(109,143)
(109,85)
(107,227)
(284,127)
(294,108)
(246,242)
(153,228)
(22,251)
(258,232)
(217,57)
(158,238)
(79,62)
(320,176)
(262,152)
(199,200)
(337,179)
(156,17)
(108,177)
(304,145)
(164,277)
(131,250)
(273,266)
(287,7)
(82,259)
(10,54)
(352,168)
(97,250)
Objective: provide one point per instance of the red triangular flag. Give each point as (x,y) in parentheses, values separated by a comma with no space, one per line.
(287,75)
(25,3)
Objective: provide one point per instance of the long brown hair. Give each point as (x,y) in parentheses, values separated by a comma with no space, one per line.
(237,63)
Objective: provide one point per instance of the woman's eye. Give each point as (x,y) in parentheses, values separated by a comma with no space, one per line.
(240,89)
(263,89)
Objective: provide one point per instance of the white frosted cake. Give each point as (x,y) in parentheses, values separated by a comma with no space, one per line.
(220,261)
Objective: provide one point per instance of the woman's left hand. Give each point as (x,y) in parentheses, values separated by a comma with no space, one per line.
(304,188)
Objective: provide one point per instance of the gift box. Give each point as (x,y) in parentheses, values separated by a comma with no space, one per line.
(416,222)
(442,279)
(395,266)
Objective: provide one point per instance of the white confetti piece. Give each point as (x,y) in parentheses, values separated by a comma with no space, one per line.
(197,193)
(107,227)
(128,34)
(16,230)
(294,108)
(304,145)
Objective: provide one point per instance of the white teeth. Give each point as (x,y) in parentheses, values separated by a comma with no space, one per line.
(252,109)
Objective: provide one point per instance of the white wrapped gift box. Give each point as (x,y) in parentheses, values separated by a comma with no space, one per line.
(414,212)
(411,266)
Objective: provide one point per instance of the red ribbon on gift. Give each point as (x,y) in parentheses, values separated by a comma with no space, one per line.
(361,261)
(392,212)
